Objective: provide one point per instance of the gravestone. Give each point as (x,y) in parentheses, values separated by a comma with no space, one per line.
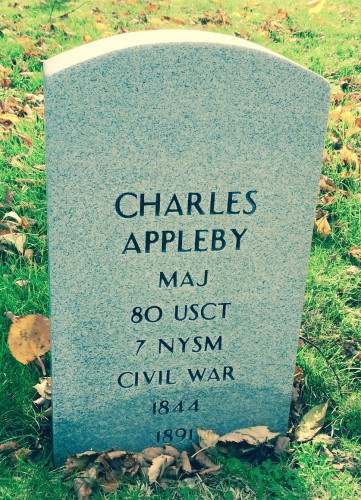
(182,178)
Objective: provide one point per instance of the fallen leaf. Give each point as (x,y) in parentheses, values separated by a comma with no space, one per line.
(336,113)
(155,21)
(316,6)
(79,461)
(207,438)
(28,255)
(17,455)
(159,464)
(253,436)
(152,452)
(24,224)
(29,337)
(8,118)
(213,469)
(9,197)
(353,271)
(311,423)
(281,445)
(122,462)
(16,239)
(82,488)
(338,466)
(22,283)
(326,184)
(323,227)
(176,20)
(298,374)
(105,475)
(44,387)
(326,199)
(13,215)
(171,451)
(351,348)
(202,458)
(185,462)
(355,253)
(9,446)
(324,438)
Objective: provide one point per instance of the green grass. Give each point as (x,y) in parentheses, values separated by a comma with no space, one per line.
(327,43)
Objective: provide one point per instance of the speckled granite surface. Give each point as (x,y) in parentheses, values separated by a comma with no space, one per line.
(141,129)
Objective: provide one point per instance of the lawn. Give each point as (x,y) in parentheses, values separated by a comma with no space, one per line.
(324,38)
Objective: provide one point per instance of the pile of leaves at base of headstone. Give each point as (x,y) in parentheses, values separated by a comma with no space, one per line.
(161,465)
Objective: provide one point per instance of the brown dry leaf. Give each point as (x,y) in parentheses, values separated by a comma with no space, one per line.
(100,26)
(176,20)
(298,375)
(22,283)
(215,468)
(325,439)
(311,423)
(355,253)
(39,110)
(19,454)
(152,7)
(25,224)
(16,239)
(9,119)
(121,462)
(326,184)
(353,271)
(170,450)
(5,71)
(201,457)
(207,438)
(9,446)
(79,461)
(326,199)
(349,157)
(315,6)
(185,462)
(105,475)
(82,488)
(336,113)
(351,347)
(28,255)
(13,215)
(29,337)
(5,82)
(338,466)
(159,464)
(323,227)
(337,97)
(281,445)
(348,117)
(253,436)
(44,387)
(9,197)
(155,21)
(149,454)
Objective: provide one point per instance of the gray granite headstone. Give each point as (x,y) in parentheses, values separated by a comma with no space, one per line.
(182,177)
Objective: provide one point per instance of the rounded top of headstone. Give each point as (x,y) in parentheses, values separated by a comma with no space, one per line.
(126,41)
